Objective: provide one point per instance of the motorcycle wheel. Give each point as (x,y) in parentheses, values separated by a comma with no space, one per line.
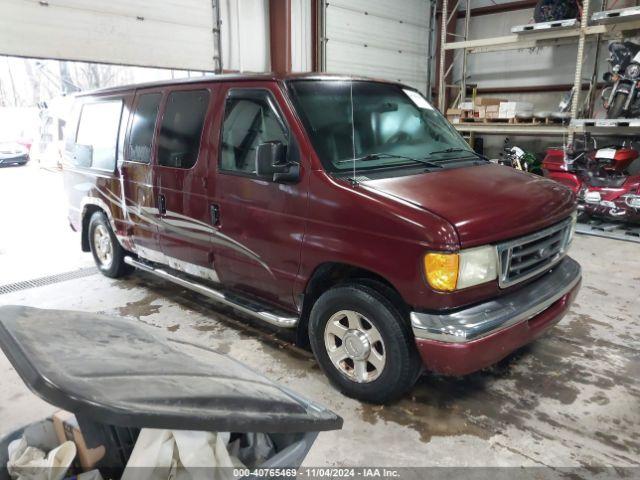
(617,106)
(553,10)
(583,217)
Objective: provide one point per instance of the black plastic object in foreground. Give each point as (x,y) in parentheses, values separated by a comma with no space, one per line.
(117,372)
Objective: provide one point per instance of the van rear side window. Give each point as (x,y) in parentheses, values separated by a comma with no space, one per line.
(142,128)
(182,123)
(97,136)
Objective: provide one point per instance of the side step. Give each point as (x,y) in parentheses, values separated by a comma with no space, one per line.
(244,305)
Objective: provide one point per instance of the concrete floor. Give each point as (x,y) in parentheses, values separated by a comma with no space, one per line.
(570,399)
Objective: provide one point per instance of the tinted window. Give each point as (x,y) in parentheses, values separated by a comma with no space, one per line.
(142,128)
(248,122)
(98,135)
(182,122)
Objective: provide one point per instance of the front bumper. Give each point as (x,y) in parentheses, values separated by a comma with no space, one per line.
(473,338)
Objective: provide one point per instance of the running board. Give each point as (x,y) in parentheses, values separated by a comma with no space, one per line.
(244,305)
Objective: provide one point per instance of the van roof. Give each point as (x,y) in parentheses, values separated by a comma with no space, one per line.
(231,77)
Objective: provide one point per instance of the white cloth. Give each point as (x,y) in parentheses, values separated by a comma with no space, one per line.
(180,455)
(29,463)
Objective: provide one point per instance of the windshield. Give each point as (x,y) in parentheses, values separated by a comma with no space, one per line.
(388,126)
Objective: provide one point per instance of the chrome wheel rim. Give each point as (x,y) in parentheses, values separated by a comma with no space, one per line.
(103,246)
(355,346)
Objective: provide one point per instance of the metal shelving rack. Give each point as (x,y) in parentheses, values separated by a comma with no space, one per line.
(610,24)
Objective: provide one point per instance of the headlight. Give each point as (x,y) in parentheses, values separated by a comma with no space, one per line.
(633,70)
(453,271)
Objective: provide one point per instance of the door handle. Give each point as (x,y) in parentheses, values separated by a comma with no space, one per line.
(162,204)
(215,215)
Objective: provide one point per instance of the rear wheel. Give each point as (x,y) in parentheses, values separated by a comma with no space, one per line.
(616,108)
(107,252)
(363,344)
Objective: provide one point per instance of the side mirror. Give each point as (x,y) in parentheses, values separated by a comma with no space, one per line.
(271,163)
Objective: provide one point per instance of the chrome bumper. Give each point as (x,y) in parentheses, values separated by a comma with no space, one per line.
(486,318)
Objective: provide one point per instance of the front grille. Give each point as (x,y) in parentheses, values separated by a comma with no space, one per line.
(527,256)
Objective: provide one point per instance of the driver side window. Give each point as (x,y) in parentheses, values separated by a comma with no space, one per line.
(248,121)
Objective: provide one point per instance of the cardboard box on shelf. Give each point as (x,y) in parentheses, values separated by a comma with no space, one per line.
(492,111)
(454,114)
(67,428)
(468,106)
(485,101)
(514,109)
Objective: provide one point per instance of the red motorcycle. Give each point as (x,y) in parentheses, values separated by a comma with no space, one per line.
(600,179)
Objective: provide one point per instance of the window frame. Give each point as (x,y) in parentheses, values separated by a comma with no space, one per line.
(254,93)
(132,115)
(95,101)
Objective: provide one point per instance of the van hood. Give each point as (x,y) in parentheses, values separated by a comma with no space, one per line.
(485,203)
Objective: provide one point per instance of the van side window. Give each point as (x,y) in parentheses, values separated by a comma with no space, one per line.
(97,136)
(182,123)
(142,128)
(248,122)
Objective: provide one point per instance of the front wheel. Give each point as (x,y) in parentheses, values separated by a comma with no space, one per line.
(107,252)
(363,344)
(616,108)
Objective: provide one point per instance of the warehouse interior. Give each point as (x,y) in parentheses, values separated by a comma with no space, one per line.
(521,94)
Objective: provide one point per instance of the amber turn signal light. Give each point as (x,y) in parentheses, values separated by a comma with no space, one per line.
(441,270)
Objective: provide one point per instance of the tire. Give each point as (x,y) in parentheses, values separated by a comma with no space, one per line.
(583,216)
(617,106)
(386,333)
(108,253)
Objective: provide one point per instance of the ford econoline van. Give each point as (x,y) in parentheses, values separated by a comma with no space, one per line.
(348,209)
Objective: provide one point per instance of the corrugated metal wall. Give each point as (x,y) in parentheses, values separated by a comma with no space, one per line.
(245,35)
(379,38)
(301,36)
(376,38)
(529,67)
(160,33)
(150,33)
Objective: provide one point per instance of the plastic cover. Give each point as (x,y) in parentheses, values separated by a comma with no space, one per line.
(118,372)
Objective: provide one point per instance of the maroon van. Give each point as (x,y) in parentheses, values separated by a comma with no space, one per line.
(347,209)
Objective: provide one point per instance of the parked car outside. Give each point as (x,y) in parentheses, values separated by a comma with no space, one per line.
(347,209)
(13,153)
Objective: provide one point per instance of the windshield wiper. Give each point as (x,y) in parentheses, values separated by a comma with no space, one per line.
(457,149)
(379,156)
